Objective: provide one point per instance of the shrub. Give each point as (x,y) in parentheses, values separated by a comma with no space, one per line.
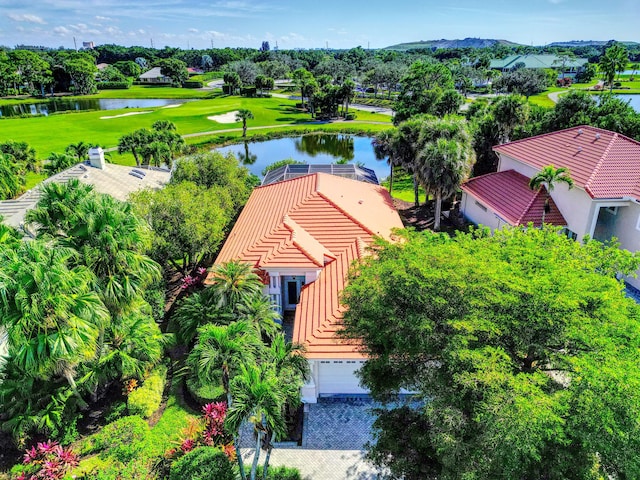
(116,411)
(145,400)
(137,469)
(192,84)
(114,85)
(283,473)
(46,461)
(248,91)
(123,439)
(202,463)
(350,116)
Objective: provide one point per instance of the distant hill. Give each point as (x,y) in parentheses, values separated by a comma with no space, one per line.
(588,43)
(465,43)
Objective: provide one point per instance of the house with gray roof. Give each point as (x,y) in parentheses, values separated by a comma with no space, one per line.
(513,62)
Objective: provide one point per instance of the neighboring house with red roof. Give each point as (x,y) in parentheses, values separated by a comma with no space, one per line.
(302,235)
(605,200)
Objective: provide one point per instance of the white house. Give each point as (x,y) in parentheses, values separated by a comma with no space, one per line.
(301,235)
(604,203)
(154,76)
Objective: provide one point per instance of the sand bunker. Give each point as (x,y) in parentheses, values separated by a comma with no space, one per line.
(124,115)
(225,117)
(173,105)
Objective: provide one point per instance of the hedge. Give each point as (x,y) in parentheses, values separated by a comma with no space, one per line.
(192,84)
(122,440)
(114,85)
(283,473)
(202,463)
(145,400)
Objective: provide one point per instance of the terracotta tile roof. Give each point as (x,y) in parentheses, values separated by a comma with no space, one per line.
(509,195)
(318,222)
(605,164)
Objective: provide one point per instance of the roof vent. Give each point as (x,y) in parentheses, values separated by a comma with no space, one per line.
(360,202)
(580,132)
(579,149)
(597,136)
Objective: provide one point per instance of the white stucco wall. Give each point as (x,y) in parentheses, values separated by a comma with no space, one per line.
(476,214)
(576,205)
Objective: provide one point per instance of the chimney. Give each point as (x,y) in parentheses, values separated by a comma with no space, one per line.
(96,158)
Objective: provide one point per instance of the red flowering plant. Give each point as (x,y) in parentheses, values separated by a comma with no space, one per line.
(194,280)
(209,430)
(47,461)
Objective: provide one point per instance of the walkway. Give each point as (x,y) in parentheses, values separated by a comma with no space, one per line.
(553,96)
(335,433)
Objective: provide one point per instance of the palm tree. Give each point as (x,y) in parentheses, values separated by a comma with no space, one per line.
(50,312)
(158,151)
(547,178)
(234,283)
(445,158)
(133,142)
(57,162)
(218,354)
(347,93)
(164,126)
(259,398)
(11,182)
(292,369)
(384,147)
(509,112)
(79,150)
(407,147)
(259,311)
(58,207)
(242,116)
(613,61)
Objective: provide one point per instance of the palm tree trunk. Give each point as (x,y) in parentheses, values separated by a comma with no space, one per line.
(135,155)
(436,225)
(266,460)
(256,456)
(74,388)
(415,191)
(391,179)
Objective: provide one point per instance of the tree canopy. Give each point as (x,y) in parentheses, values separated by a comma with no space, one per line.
(521,346)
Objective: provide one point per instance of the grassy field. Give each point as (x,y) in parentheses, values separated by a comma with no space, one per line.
(55,132)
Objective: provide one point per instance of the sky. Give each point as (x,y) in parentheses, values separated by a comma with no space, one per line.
(311,23)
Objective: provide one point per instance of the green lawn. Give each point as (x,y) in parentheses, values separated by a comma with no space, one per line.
(55,132)
(403,187)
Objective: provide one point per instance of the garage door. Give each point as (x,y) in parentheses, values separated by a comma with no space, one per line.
(338,377)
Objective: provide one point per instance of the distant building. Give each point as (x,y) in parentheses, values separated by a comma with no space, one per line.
(154,76)
(88,45)
(513,62)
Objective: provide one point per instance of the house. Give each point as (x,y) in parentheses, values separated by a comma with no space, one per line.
(605,200)
(512,62)
(154,76)
(301,235)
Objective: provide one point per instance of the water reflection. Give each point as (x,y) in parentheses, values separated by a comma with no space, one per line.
(81,104)
(246,157)
(339,146)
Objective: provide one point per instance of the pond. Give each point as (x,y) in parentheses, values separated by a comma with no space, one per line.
(314,149)
(80,104)
(634,100)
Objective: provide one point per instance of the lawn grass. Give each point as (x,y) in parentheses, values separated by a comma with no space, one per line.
(403,187)
(55,132)
(33,179)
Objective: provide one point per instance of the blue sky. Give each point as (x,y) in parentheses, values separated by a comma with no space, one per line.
(311,24)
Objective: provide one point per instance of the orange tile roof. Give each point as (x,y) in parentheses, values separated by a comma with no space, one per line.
(318,222)
(509,195)
(606,164)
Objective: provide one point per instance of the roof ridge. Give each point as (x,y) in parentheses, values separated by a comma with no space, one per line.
(530,204)
(542,135)
(601,160)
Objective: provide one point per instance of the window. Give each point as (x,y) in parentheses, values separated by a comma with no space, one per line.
(481,206)
(570,234)
(638,224)
(612,210)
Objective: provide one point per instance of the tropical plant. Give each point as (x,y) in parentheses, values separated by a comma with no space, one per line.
(444,160)
(384,147)
(79,150)
(548,178)
(258,397)
(48,461)
(11,181)
(164,126)
(22,154)
(50,310)
(234,283)
(242,116)
(613,61)
(133,142)
(57,162)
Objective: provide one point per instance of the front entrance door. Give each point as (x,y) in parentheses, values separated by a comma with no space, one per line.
(291,295)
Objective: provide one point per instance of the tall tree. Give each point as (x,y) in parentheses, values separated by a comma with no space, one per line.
(242,116)
(384,147)
(613,61)
(521,347)
(134,142)
(175,69)
(548,178)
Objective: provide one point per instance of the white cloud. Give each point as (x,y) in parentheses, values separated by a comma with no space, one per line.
(62,31)
(104,19)
(193,30)
(26,17)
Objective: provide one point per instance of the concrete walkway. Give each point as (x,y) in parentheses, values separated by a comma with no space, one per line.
(554,96)
(319,464)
